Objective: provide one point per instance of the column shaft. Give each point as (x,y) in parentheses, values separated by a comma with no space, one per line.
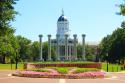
(83,45)
(40,40)
(75,46)
(57,47)
(66,47)
(70,52)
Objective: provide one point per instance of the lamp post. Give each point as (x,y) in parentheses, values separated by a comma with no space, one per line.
(107,61)
(16,59)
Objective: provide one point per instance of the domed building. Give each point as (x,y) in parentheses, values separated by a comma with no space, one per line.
(66,48)
(63,43)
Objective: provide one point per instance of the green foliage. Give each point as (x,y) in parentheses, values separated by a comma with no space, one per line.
(122,9)
(41,70)
(7,14)
(80,70)
(24,47)
(79,51)
(63,70)
(35,51)
(114,46)
(7,40)
(45,52)
(105,46)
(111,67)
(90,52)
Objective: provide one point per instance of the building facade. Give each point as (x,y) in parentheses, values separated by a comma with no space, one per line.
(66,48)
(63,43)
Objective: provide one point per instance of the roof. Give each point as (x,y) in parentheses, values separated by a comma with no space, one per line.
(62,18)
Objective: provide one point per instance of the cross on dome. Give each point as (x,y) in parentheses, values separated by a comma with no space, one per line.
(62,12)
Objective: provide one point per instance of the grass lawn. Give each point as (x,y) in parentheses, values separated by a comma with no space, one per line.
(8,66)
(111,67)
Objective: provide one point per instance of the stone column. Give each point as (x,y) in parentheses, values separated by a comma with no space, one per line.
(40,41)
(66,46)
(57,47)
(49,47)
(75,46)
(83,47)
(70,52)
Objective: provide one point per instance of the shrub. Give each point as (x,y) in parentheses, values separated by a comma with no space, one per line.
(80,70)
(41,70)
(62,70)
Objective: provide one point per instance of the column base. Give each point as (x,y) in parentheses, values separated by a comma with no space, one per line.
(41,59)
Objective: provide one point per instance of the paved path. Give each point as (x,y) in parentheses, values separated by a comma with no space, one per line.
(6,78)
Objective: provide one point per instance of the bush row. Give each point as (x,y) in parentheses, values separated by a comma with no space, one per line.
(87,65)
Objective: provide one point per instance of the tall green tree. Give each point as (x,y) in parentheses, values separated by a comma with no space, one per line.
(7,14)
(114,45)
(104,46)
(24,47)
(35,51)
(117,49)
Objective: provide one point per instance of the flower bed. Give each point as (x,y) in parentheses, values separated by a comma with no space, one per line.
(54,74)
(62,70)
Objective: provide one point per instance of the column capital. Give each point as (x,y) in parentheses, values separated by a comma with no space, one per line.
(66,35)
(49,35)
(40,35)
(83,35)
(74,35)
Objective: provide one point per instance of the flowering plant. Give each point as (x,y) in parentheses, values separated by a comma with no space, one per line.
(55,74)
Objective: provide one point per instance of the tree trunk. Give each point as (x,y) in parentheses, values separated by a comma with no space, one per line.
(3,59)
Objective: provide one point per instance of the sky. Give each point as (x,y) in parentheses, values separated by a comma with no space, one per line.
(95,18)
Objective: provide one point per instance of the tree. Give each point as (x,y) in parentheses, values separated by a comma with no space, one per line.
(24,47)
(117,50)
(122,9)
(7,14)
(45,52)
(114,45)
(79,51)
(90,52)
(8,47)
(35,51)
(104,47)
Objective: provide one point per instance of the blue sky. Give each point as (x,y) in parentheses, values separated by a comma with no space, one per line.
(95,18)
